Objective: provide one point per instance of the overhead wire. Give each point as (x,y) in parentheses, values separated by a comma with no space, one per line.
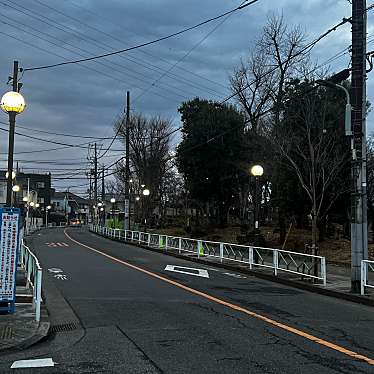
(145,64)
(145,52)
(61,44)
(141,45)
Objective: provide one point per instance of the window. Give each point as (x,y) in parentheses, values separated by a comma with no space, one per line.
(40,185)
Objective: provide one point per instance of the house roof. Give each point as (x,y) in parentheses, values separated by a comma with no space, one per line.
(69,196)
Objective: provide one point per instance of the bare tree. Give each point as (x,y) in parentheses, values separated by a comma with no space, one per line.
(149,154)
(312,145)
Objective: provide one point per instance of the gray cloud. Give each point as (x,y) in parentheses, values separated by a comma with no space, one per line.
(86,100)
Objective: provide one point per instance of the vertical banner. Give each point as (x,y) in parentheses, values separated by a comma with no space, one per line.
(9,238)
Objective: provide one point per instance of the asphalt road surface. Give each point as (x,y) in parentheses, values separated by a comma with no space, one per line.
(127,314)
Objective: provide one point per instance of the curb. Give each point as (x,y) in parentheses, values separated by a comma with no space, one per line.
(292,283)
(41,332)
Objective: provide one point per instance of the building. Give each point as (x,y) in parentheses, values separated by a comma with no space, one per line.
(67,205)
(37,186)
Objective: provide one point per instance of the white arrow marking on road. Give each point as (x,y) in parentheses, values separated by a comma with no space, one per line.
(51,244)
(61,276)
(201,272)
(55,270)
(39,363)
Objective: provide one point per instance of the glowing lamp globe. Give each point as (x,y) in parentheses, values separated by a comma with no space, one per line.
(257,170)
(13,102)
(13,175)
(146,192)
(15,188)
(112,200)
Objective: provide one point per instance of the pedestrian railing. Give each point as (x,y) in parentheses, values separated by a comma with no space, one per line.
(367,275)
(279,260)
(31,265)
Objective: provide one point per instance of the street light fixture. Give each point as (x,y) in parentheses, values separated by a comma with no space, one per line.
(37,205)
(146,192)
(12,103)
(16,188)
(257,171)
(13,175)
(47,208)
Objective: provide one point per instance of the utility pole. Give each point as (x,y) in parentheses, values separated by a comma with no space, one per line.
(103,194)
(12,125)
(95,182)
(359,237)
(127,169)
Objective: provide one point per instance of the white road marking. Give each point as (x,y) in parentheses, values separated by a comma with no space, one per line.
(55,270)
(235,275)
(201,272)
(61,277)
(58,244)
(38,363)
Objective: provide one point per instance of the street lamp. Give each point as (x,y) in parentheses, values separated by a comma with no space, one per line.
(47,208)
(257,171)
(146,192)
(113,200)
(12,103)
(16,188)
(13,175)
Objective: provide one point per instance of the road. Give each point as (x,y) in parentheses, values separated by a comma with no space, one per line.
(133,316)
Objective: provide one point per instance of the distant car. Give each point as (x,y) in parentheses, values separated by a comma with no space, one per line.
(75,222)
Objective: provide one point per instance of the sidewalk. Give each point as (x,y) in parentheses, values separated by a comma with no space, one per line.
(20,330)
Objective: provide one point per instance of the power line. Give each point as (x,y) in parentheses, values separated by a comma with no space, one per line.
(142,44)
(59,45)
(183,57)
(146,52)
(146,64)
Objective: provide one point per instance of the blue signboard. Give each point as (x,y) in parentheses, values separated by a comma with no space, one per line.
(9,243)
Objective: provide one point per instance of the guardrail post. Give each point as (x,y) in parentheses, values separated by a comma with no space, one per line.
(250,257)
(199,247)
(132,235)
(160,241)
(149,239)
(139,236)
(38,294)
(221,252)
(363,277)
(166,243)
(323,271)
(275,262)
(180,246)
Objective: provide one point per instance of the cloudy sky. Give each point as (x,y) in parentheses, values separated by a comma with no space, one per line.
(85,99)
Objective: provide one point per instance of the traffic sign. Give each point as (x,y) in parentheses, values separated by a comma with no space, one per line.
(9,242)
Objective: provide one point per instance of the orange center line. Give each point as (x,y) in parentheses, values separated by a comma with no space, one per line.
(261,317)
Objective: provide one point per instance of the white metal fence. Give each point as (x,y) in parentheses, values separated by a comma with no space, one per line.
(367,275)
(31,265)
(305,265)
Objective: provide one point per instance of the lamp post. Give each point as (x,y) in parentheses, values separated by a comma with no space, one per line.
(257,171)
(16,188)
(113,200)
(146,192)
(12,103)
(100,209)
(47,208)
